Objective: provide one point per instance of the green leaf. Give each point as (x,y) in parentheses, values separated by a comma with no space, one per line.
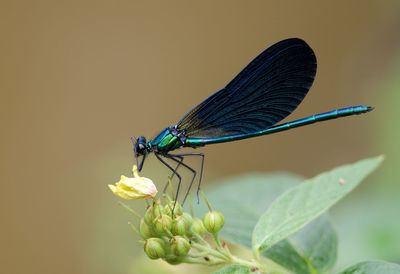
(234,269)
(295,208)
(310,250)
(373,267)
(368,227)
(243,199)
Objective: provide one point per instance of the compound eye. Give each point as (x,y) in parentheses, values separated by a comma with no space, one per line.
(141,147)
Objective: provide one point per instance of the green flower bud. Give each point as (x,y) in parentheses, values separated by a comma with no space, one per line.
(167,210)
(198,227)
(152,212)
(145,230)
(177,210)
(155,248)
(149,216)
(180,246)
(213,221)
(179,226)
(172,259)
(157,209)
(162,224)
(188,218)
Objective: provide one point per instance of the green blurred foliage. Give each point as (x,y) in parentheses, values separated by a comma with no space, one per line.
(387,134)
(368,223)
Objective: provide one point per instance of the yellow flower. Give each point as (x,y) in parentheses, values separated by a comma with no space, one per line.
(134,188)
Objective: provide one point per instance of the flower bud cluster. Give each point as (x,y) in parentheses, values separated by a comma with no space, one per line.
(169,232)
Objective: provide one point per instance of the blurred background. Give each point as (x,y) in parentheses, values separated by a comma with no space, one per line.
(79,78)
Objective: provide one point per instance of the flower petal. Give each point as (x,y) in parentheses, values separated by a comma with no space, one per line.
(134,188)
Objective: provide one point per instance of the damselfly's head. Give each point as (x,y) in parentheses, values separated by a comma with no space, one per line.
(140,151)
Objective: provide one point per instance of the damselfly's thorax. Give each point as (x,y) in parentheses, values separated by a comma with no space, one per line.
(167,140)
(180,133)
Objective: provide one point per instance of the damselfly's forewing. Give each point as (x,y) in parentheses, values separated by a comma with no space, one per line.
(262,94)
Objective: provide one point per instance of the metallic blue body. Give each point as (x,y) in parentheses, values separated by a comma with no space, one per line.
(168,140)
(165,142)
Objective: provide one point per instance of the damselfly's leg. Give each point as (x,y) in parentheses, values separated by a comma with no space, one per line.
(177,166)
(175,158)
(173,173)
(177,175)
(201,168)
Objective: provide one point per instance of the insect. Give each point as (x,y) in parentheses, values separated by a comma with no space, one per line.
(262,94)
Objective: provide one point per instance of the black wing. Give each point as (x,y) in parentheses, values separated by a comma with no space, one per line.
(262,94)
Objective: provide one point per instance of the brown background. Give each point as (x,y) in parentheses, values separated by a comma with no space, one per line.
(78,79)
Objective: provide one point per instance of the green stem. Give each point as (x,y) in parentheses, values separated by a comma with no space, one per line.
(133,227)
(191,206)
(211,262)
(216,240)
(201,240)
(211,251)
(130,209)
(201,254)
(220,248)
(206,200)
